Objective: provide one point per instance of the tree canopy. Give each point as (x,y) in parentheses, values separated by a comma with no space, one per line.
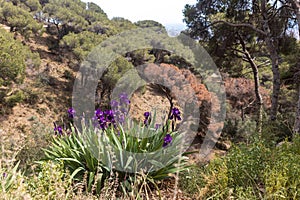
(19,19)
(263,26)
(14,57)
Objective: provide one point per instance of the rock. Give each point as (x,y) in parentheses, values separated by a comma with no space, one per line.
(223,145)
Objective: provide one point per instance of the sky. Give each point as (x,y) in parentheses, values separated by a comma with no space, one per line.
(164,11)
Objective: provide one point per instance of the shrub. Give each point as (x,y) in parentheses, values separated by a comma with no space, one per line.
(82,43)
(276,131)
(51,182)
(15,98)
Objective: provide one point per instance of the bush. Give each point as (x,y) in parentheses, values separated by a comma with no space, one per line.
(51,182)
(19,19)
(82,43)
(276,131)
(14,58)
(15,98)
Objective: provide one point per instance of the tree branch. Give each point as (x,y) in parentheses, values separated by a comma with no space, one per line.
(240,25)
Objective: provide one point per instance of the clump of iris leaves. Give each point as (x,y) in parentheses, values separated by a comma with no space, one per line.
(108,144)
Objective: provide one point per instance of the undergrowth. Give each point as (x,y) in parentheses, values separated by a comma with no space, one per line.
(256,170)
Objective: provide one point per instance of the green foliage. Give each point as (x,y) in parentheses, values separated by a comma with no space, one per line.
(115,71)
(122,24)
(8,178)
(82,43)
(51,182)
(238,130)
(19,19)
(190,180)
(249,171)
(99,155)
(14,59)
(33,5)
(15,98)
(281,176)
(95,8)
(205,22)
(78,159)
(281,129)
(76,16)
(251,161)
(148,23)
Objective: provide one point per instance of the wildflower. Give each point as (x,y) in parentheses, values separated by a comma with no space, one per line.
(175,114)
(147,115)
(102,123)
(105,118)
(4,175)
(98,113)
(147,118)
(167,140)
(71,112)
(109,115)
(58,130)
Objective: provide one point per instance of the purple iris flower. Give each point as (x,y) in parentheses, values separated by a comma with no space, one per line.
(98,113)
(102,124)
(104,118)
(147,115)
(167,140)
(58,130)
(147,118)
(175,114)
(71,112)
(109,115)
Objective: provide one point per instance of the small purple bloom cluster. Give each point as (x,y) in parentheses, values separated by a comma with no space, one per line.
(175,115)
(116,115)
(147,116)
(167,140)
(104,118)
(120,108)
(71,113)
(58,130)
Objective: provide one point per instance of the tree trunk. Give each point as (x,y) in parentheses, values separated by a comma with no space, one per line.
(296,6)
(259,99)
(297,120)
(276,84)
(272,47)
